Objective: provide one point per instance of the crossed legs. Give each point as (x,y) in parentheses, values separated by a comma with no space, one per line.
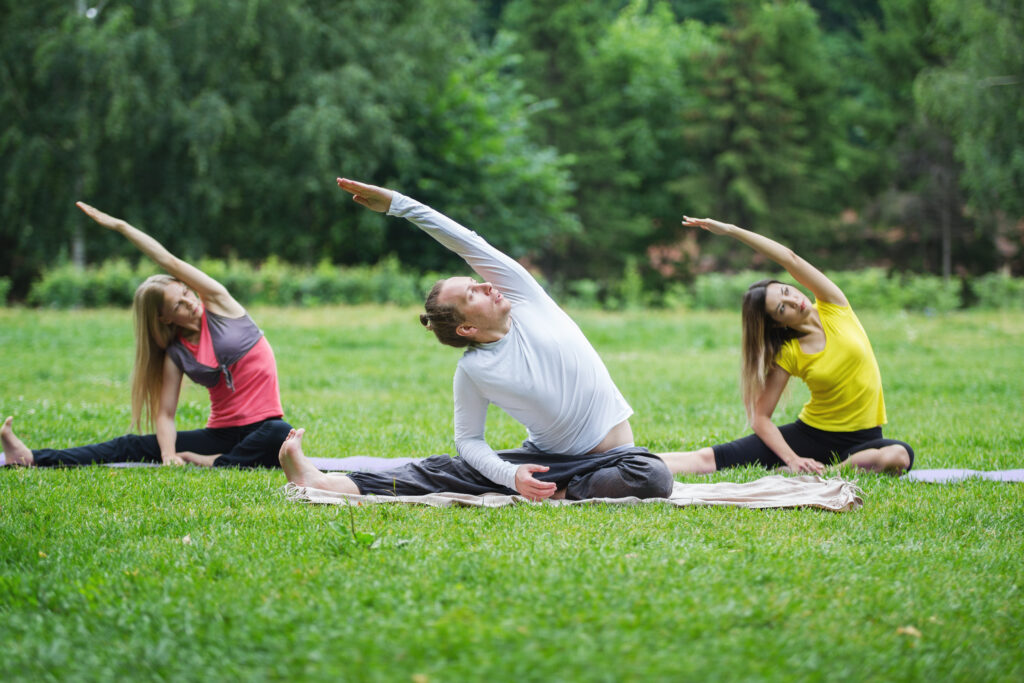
(890,458)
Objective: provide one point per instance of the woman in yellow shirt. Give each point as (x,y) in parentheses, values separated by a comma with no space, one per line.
(822,343)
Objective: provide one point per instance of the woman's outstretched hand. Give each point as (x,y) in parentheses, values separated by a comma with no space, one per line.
(709,224)
(104,219)
(806,465)
(372,197)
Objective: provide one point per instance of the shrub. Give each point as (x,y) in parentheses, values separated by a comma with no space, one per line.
(628,293)
(719,291)
(5,288)
(277,283)
(873,289)
(583,294)
(998,291)
(113,283)
(928,293)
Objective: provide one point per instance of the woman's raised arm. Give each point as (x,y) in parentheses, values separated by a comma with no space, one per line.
(802,271)
(214,295)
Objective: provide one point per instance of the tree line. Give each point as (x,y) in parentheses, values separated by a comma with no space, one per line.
(571,134)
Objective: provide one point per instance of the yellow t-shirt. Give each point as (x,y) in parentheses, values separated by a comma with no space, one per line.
(845,384)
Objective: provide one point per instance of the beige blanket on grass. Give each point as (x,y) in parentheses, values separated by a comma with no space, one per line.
(775,491)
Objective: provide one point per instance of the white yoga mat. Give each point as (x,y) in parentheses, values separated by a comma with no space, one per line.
(775,491)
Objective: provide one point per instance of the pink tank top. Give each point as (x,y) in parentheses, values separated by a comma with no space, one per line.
(234,361)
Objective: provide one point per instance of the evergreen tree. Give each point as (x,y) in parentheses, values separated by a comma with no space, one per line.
(763,127)
(977,94)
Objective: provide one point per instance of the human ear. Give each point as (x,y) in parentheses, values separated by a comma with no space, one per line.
(465,330)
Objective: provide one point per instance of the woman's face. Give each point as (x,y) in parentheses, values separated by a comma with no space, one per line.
(182,307)
(786,304)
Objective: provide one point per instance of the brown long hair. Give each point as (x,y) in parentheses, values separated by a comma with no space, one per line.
(443,319)
(152,338)
(763,338)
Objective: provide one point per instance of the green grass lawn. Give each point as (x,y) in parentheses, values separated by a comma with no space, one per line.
(188,574)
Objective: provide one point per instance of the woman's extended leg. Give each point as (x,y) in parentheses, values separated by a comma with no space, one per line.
(15,452)
(301,471)
(125,448)
(691,462)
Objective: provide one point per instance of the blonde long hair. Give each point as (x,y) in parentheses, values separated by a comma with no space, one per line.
(152,338)
(763,338)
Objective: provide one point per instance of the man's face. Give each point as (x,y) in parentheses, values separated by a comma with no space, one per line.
(479,303)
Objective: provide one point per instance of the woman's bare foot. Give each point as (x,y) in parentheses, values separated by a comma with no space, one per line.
(15,452)
(301,471)
(200,460)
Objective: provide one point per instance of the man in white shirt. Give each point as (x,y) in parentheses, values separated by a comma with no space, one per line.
(525,355)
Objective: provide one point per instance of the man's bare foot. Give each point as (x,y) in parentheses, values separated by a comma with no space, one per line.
(301,471)
(297,467)
(15,452)
(200,460)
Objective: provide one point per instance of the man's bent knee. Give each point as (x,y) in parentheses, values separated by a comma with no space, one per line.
(634,477)
(658,483)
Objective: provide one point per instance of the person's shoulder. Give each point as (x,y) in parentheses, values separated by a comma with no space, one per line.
(176,351)
(469,358)
(789,349)
(833,309)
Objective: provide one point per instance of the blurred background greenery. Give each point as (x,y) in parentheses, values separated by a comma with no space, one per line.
(574,135)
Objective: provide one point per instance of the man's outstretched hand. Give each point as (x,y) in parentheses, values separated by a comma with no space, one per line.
(104,219)
(531,488)
(372,197)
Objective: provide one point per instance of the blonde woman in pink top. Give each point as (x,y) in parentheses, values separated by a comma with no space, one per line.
(186,323)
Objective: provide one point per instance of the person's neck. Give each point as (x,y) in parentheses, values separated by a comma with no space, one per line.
(493,334)
(812,325)
(189,334)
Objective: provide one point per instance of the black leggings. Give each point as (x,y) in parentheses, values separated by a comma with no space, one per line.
(625,473)
(254,445)
(807,442)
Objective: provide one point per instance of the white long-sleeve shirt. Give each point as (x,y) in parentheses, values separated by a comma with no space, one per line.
(543,372)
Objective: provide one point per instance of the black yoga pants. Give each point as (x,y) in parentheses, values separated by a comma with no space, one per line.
(807,442)
(253,445)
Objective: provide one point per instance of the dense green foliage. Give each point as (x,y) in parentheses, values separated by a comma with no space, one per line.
(277,283)
(572,134)
(274,283)
(185,574)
